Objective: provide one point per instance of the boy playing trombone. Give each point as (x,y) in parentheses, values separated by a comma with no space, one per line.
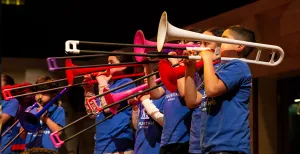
(224,104)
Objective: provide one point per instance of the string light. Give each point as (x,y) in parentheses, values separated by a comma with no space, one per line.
(12,2)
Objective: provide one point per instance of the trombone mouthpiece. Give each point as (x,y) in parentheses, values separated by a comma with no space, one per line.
(40,100)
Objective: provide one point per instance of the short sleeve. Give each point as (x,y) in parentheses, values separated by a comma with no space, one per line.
(61,117)
(11,108)
(233,74)
(122,82)
(164,87)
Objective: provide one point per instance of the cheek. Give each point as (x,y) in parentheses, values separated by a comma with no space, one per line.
(114,70)
(46,99)
(212,45)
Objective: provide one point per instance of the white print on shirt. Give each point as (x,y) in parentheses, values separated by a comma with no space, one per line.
(171,96)
(40,132)
(144,115)
(145,124)
(203,104)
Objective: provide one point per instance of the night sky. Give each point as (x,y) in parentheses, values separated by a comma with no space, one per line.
(43,26)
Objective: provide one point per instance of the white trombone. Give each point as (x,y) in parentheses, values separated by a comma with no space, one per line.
(168,32)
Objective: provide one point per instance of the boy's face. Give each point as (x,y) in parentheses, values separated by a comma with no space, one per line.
(208,44)
(3,83)
(43,98)
(114,60)
(229,50)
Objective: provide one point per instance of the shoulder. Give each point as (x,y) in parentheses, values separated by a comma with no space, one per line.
(60,108)
(238,65)
(12,102)
(56,109)
(124,81)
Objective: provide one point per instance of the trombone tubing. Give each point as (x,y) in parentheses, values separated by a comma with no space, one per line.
(122,44)
(133,54)
(52,89)
(129,83)
(112,90)
(9,143)
(105,107)
(109,65)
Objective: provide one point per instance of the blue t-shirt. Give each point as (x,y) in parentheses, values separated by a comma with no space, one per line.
(148,132)
(177,120)
(41,138)
(115,134)
(194,144)
(224,119)
(8,107)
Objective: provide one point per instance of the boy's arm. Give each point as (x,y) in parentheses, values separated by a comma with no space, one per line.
(88,93)
(157,92)
(52,125)
(9,111)
(57,123)
(192,97)
(153,111)
(213,85)
(135,116)
(23,134)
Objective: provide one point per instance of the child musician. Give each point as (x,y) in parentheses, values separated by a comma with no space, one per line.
(224,105)
(52,120)
(147,119)
(177,117)
(9,111)
(194,147)
(114,135)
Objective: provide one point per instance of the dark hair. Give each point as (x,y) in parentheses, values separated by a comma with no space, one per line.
(8,79)
(39,151)
(197,30)
(125,59)
(244,34)
(216,31)
(45,79)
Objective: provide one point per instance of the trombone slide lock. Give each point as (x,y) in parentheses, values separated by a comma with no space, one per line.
(7,94)
(92,105)
(52,65)
(57,142)
(71,47)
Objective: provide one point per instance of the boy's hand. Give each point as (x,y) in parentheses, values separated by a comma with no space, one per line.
(173,61)
(44,115)
(88,87)
(191,64)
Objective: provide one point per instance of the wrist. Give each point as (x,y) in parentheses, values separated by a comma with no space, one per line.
(207,58)
(89,94)
(45,119)
(145,101)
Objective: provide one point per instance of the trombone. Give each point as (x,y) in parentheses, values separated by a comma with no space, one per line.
(167,32)
(72,71)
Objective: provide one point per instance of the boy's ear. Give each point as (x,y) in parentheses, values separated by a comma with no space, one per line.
(240,48)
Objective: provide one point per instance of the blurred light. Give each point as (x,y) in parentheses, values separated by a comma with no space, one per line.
(12,2)
(297,100)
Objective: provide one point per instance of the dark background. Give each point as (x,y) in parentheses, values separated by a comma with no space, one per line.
(39,29)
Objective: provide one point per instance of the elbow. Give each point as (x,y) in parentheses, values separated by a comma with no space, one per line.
(23,136)
(211,92)
(154,95)
(191,103)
